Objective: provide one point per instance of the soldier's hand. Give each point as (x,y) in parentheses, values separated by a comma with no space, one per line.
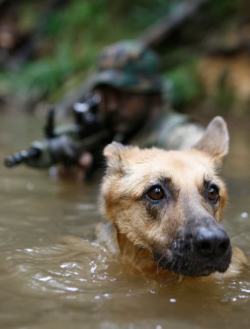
(85,161)
(77,172)
(84,165)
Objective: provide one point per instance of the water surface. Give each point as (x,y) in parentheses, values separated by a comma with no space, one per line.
(51,276)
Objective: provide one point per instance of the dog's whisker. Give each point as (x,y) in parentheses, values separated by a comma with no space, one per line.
(158,264)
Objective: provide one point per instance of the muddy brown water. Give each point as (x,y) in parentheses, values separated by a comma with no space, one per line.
(51,277)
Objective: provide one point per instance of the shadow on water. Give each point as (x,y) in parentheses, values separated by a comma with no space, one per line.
(50,278)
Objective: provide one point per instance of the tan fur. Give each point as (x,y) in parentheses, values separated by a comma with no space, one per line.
(132,170)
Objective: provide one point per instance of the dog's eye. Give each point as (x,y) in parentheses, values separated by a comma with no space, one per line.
(212,193)
(155,193)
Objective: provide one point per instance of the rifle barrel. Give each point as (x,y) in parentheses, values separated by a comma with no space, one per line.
(22,156)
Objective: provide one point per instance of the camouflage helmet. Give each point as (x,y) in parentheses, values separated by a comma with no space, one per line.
(128,66)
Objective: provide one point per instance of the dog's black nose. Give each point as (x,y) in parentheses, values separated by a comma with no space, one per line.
(211,242)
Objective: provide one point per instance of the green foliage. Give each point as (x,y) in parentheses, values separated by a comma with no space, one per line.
(224,96)
(78,17)
(223,8)
(74,35)
(143,13)
(71,33)
(184,85)
(44,76)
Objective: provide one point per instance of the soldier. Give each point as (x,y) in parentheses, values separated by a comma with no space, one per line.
(133,101)
(130,107)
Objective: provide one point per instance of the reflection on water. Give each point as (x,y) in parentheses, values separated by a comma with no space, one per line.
(52,274)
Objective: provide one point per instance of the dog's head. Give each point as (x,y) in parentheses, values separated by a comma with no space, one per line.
(170,202)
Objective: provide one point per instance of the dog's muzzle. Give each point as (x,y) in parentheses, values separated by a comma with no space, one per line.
(200,251)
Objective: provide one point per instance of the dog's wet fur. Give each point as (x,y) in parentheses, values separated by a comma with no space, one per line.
(167,206)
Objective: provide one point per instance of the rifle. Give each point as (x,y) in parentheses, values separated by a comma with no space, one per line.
(65,144)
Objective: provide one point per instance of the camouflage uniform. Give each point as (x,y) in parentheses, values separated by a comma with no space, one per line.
(129,66)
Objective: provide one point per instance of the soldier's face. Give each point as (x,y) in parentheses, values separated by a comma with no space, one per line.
(123,111)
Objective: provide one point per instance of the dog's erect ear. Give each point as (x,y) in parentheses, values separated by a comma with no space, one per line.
(112,153)
(215,140)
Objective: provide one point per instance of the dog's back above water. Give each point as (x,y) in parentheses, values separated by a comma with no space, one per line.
(166,206)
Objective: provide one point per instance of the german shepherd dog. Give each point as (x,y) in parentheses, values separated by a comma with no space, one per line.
(166,206)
